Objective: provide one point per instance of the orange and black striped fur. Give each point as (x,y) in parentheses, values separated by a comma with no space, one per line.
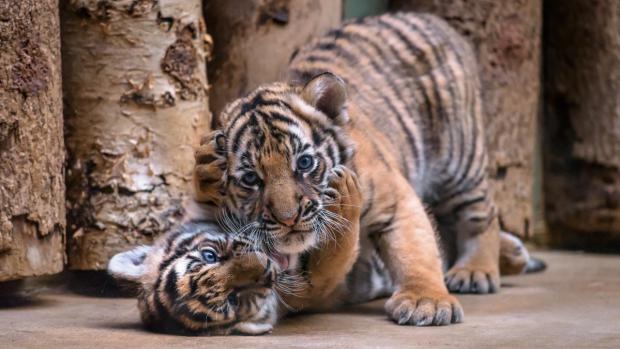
(198,280)
(396,98)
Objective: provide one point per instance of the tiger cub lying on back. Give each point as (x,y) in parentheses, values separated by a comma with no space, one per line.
(401,106)
(205,279)
(197,280)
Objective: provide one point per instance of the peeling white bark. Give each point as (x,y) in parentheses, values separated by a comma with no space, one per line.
(136,102)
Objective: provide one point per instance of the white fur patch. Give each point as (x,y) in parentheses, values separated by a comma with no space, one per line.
(253,328)
(180,267)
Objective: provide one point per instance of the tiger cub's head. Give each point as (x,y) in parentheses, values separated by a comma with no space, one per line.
(196,280)
(269,161)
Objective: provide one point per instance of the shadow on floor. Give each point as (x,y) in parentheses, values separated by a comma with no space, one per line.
(24,301)
(125,326)
(17,294)
(99,284)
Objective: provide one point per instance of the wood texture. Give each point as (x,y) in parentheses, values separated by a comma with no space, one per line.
(32,210)
(136,102)
(254,40)
(506,36)
(582,122)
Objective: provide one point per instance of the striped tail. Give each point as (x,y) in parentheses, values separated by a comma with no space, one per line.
(514,257)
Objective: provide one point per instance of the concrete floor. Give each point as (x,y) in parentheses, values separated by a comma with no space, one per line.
(574,304)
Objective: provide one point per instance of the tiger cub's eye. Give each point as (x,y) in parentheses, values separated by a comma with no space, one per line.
(209,256)
(250,179)
(305,162)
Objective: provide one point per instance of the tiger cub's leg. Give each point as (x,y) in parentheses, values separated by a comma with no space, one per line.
(405,240)
(328,265)
(471,218)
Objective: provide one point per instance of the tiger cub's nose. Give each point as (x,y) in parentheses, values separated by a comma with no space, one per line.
(288,220)
(284,212)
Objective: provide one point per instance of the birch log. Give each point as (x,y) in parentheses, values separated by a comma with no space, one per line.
(32,190)
(582,123)
(254,40)
(136,102)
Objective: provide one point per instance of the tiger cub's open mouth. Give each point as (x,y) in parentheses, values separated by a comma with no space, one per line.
(280,258)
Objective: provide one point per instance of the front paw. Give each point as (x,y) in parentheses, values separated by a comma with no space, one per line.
(252,328)
(472,280)
(209,170)
(419,309)
(345,195)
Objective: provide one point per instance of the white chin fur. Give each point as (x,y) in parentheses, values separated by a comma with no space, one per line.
(296,243)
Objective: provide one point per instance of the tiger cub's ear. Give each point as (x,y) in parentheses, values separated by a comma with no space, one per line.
(327,93)
(129,265)
(210,169)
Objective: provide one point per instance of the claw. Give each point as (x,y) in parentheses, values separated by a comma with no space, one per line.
(463,280)
(409,309)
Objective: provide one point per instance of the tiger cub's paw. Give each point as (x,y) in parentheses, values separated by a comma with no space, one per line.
(420,309)
(344,194)
(209,169)
(252,328)
(472,280)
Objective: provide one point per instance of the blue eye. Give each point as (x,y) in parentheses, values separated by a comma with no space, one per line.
(209,256)
(305,162)
(250,179)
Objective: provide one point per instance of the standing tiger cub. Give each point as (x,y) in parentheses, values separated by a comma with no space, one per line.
(397,99)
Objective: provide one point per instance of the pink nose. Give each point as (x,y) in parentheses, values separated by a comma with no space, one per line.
(285,216)
(289,222)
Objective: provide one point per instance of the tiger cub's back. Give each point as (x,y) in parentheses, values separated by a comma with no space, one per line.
(416,79)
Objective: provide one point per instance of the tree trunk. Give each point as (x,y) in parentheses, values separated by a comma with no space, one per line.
(136,103)
(32,210)
(506,37)
(255,39)
(582,122)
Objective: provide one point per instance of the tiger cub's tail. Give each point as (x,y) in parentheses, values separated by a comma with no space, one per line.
(514,257)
